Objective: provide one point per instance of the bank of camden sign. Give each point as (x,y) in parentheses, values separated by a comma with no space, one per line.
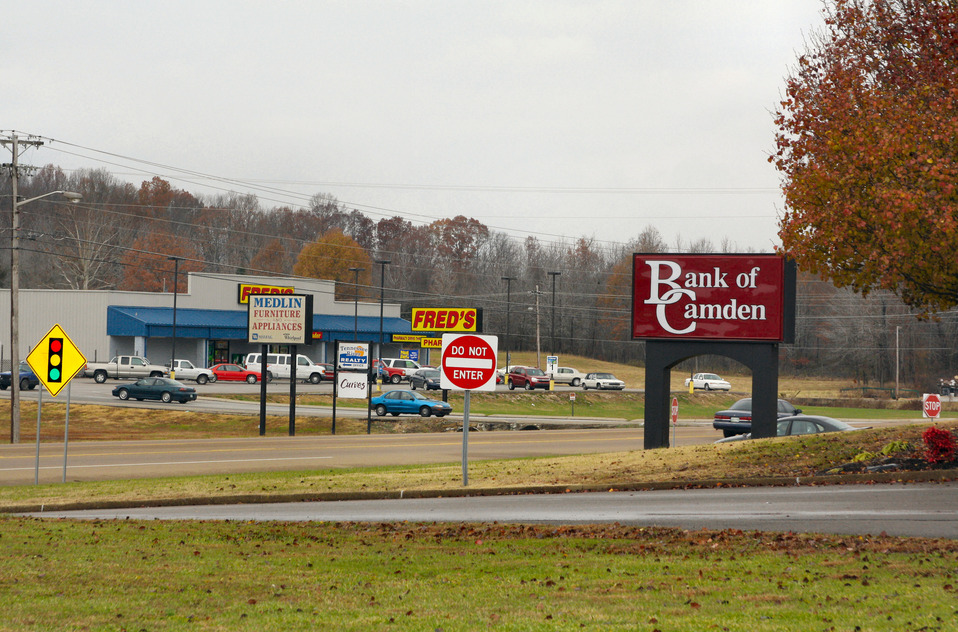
(713,297)
(285,319)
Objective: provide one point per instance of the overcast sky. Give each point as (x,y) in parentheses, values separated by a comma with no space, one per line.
(561,119)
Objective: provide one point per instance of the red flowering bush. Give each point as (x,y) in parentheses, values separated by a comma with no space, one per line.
(939,445)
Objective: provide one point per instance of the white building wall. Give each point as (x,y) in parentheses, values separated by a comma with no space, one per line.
(82,313)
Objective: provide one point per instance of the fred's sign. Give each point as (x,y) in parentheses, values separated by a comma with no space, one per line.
(713,297)
(446,319)
(247,289)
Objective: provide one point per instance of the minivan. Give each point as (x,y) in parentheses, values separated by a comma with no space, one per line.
(278,365)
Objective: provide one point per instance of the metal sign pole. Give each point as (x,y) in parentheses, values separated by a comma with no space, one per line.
(36,470)
(66,432)
(465,439)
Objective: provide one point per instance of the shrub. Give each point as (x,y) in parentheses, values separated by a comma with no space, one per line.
(939,445)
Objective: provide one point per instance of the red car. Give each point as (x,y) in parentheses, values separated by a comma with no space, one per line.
(528,378)
(235,373)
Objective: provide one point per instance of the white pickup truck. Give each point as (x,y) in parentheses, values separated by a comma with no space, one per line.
(123,366)
(184,370)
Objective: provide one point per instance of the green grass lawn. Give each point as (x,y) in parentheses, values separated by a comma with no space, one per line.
(158,576)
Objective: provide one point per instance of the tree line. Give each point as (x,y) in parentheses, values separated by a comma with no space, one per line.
(124,237)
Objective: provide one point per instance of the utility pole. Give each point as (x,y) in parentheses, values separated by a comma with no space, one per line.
(555,348)
(15,286)
(538,354)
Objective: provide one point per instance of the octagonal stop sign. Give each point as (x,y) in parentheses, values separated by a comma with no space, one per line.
(468,362)
(931,405)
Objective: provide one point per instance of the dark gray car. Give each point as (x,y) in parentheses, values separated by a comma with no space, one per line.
(738,418)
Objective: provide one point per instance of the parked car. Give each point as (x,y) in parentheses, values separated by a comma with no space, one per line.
(527,377)
(236,373)
(28,379)
(602,381)
(425,378)
(329,371)
(280,365)
(800,425)
(396,370)
(708,381)
(184,370)
(161,388)
(737,419)
(409,402)
(567,375)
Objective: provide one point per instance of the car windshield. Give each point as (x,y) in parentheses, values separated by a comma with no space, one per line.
(711,376)
(429,373)
(604,376)
(416,395)
(534,372)
(742,404)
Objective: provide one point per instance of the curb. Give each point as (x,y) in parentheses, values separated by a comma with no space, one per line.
(926,476)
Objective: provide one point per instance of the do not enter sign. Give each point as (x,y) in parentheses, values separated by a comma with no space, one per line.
(468,362)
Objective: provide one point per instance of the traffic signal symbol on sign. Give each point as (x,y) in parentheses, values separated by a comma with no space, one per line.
(55,360)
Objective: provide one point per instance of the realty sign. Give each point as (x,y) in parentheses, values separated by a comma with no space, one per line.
(353,356)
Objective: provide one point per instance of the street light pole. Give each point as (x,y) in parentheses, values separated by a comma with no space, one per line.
(508,281)
(382,287)
(176,283)
(15,280)
(554,275)
(356,301)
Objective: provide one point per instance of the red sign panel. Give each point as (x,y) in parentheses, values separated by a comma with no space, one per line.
(931,405)
(468,362)
(712,297)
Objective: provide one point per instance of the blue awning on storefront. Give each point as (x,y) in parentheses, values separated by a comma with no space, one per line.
(216,324)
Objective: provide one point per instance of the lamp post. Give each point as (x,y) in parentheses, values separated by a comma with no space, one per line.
(356,301)
(15,294)
(176,283)
(554,275)
(382,287)
(508,281)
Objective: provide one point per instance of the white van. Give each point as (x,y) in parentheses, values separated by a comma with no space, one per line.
(278,365)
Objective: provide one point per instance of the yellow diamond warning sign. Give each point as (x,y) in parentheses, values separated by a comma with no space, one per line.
(56,360)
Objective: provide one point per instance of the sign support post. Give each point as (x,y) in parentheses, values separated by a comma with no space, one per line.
(465,439)
(36,469)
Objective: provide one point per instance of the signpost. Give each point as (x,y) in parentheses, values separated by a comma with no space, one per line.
(56,361)
(468,364)
(930,405)
(675,417)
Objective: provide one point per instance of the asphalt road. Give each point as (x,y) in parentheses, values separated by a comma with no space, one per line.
(920,510)
(112,460)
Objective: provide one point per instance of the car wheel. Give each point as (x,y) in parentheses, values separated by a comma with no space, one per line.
(412,385)
(315,378)
(212,378)
(99,377)
(425,411)
(202,379)
(395,379)
(251,378)
(269,377)
(528,386)
(729,433)
(576,381)
(166,398)
(708,386)
(24,384)
(123,394)
(183,401)
(3,387)
(380,410)
(512,385)
(585,386)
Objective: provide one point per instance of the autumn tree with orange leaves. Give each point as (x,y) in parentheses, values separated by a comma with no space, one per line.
(867,144)
(331,257)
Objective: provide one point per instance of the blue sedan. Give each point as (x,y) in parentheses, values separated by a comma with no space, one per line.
(412,402)
(161,388)
(28,379)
